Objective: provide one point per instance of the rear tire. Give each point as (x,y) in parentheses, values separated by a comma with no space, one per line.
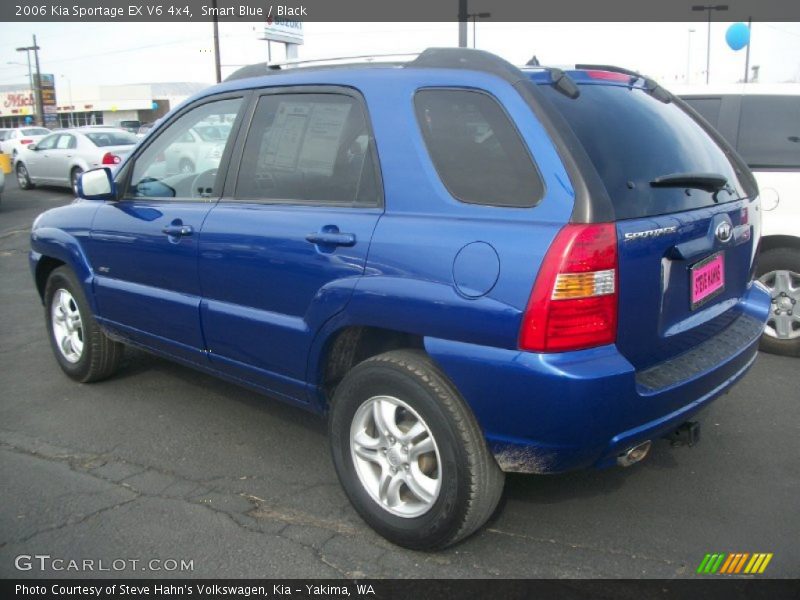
(779,270)
(73,179)
(447,458)
(81,348)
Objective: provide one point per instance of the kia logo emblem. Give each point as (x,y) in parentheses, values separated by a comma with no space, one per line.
(724,231)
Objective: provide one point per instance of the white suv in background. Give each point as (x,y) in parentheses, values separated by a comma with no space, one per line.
(762,121)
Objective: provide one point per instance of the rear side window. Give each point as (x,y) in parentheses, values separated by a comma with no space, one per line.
(476,149)
(707,107)
(111,138)
(769,131)
(309,148)
(632,139)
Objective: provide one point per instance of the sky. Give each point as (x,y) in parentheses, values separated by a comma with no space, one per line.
(122,53)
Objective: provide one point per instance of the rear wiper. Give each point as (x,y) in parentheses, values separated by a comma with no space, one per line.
(709,182)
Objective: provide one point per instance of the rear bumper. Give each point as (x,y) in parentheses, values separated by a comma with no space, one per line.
(548,413)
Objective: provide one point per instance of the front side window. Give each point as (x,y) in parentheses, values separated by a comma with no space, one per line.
(769,131)
(65,142)
(171,168)
(310,148)
(476,150)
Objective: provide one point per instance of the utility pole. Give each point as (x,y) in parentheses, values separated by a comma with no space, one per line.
(39,103)
(747,55)
(475,17)
(217,66)
(709,8)
(462,23)
(36,82)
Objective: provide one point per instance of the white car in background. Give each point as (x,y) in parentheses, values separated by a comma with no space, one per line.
(21,137)
(198,150)
(762,121)
(61,157)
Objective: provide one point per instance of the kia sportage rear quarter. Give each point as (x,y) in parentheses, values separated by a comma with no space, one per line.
(469,268)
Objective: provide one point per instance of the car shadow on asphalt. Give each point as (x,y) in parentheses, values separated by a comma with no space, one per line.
(556,488)
(138,363)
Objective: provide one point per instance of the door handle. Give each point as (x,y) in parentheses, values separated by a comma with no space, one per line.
(178,230)
(331,238)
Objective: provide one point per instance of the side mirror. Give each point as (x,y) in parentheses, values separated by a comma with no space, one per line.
(32,147)
(97,184)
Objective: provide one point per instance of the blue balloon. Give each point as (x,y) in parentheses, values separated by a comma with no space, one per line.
(737,36)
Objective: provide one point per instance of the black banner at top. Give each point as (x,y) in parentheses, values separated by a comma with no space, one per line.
(394,10)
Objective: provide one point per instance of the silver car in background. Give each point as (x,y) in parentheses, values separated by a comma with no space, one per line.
(61,157)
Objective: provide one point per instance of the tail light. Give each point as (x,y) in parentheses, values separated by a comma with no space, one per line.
(608,75)
(111,159)
(25,141)
(573,304)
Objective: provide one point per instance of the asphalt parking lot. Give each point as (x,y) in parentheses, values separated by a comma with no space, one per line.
(162,462)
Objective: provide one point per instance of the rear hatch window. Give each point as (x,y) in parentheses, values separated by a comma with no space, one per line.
(633,139)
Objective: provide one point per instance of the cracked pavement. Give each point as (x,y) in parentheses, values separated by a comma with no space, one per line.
(164,462)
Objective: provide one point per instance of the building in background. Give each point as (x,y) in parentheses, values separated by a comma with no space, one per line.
(77,105)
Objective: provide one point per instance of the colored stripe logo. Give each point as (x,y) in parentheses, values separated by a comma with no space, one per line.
(734,563)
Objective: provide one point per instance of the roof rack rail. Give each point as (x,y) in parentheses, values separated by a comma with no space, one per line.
(333,59)
(650,85)
(270,68)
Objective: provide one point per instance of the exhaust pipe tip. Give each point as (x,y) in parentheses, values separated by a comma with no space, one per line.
(634,454)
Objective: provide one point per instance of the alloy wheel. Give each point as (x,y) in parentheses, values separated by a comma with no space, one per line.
(784,317)
(67,325)
(395,456)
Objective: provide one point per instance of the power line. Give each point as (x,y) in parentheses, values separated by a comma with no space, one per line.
(782,30)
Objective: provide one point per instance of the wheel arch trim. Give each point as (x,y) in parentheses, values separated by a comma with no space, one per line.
(56,244)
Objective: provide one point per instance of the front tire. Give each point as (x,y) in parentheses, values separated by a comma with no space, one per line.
(81,348)
(779,270)
(186,166)
(409,453)
(23,177)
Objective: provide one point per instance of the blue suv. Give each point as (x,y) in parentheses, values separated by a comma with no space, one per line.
(470,268)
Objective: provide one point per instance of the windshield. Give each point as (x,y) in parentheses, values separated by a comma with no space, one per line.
(111,138)
(633,139)
(35,131)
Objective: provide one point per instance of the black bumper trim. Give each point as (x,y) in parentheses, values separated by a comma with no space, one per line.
(720,348)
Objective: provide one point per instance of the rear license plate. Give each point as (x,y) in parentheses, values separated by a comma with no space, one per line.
(707,279)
